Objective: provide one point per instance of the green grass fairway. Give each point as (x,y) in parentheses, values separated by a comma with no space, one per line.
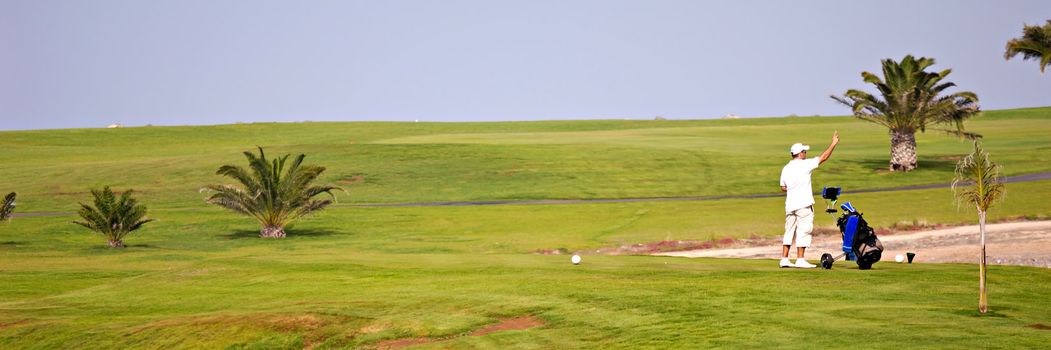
(355,277)
(425,162)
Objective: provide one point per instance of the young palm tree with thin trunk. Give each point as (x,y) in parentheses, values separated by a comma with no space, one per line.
(979,182)
(1035,44)
(274,192)
(910,100)
(113,217)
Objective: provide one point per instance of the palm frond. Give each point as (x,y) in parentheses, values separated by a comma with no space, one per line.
(962,134)
(311,207)
(8,206)
(978,180)
(1035,44)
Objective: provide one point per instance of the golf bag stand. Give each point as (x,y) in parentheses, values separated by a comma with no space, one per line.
(831,195)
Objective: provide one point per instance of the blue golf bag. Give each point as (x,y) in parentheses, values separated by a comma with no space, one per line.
(860,243)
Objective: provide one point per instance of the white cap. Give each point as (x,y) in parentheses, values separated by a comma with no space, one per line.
(799,147)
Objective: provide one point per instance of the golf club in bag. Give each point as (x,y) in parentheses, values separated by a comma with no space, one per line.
(860,243)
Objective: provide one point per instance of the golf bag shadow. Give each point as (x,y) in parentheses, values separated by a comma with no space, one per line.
(860,243)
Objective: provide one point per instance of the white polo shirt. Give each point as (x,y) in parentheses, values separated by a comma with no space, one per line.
(796,177)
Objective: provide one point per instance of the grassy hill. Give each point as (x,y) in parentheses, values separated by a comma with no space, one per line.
(357,276)
(423,162)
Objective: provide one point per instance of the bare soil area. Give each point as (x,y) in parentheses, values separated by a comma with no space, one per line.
(1015,243)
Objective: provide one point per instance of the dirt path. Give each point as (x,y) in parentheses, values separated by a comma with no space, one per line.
(1016,243)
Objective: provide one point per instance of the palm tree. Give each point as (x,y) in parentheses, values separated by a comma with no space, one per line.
(270,193)
(1035,44)
(979,182)
(7,206)
(113,217)
(911,100)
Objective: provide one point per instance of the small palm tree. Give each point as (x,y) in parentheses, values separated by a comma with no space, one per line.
(912,99)
(7,206)
(271,193)
(979,182)
(1035,44)
(113,217)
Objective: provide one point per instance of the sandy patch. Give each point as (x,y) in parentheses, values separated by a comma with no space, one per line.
(1015,243)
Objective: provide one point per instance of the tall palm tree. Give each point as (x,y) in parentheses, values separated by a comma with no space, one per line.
(1035,44)
(979,182)
(113,217)
(271,193)
(7,206)
(910,100)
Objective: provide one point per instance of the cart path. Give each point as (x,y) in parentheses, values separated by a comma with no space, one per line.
(1009,179)
(21,215)
(1015,243)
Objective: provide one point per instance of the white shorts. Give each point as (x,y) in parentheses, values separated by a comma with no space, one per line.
(799,223)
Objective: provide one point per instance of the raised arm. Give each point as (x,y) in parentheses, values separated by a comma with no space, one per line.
(832,146)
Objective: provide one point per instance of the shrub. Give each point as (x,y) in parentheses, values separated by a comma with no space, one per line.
(113,217)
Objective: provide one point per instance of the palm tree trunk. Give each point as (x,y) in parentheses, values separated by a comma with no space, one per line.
(116,243)
(902,150)
(272,232)
(983,298)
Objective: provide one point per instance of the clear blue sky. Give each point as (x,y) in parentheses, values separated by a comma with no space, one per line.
(91,63)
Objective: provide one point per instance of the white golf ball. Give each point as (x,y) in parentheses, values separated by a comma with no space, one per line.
(575,259)
(899,258)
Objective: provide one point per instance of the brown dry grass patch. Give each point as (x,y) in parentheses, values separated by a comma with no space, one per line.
(314,328)
(507,324)
(275,322)
(13,323)
(352,181)
(1040,326)
(510,324)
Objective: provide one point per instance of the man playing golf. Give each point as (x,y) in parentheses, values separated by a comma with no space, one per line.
(799,201)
